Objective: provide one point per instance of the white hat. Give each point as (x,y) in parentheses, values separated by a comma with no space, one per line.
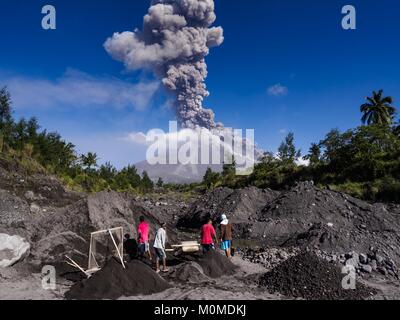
(224,219)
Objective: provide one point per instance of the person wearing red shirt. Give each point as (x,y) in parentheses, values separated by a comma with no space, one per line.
(208,235)
(143,231)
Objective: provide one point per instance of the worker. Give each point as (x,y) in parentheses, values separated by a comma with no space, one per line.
(208,235)
(226,235)
(159,248)
(143,238)
(131,247)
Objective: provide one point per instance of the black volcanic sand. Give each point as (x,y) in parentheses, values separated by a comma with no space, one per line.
(309,277)
(213,263)
(113,282)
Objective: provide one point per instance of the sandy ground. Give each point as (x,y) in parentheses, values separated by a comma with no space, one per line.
(17,285)
(14,286)
(224,288)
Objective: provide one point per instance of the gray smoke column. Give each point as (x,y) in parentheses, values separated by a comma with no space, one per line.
(176,37)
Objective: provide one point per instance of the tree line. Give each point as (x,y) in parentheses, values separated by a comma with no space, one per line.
(363,161)
(38,150)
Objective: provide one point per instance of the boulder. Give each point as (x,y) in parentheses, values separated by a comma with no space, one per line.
(366,268)
(54,248)
(363,258)
(12,250)
(374,265)
(353,259)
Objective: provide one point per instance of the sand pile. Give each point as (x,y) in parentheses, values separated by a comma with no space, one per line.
(240,205)
(189,272)
(113,282)
(303,216)
(309,277)
(214,264)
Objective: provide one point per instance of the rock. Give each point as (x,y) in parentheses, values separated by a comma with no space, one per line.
(12,249)
(29,195)
(363,258)
(379,258)
(54,248)
(34,208)
(352,262)
(374,265)
(366,268)
(353,259)
(383,270)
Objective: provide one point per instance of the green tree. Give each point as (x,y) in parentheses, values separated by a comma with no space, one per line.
(160,183)
(378,109)
(229,172)
(287,152)
(146,184)
(210,178)
(89,161)
(107,172)
(6,120)
(314,154)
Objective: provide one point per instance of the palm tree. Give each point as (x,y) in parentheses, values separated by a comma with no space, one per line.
(89,161)
(378,109)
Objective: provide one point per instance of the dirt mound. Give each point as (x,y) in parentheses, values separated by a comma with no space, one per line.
(240,205)
(213,263)
(189,272)
(309,277)
(310,217)
(113,282)
(97,212)
(269,258)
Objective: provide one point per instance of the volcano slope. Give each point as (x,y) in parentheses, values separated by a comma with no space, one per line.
(309,277)
(240,205)
(304,216)
(58,222)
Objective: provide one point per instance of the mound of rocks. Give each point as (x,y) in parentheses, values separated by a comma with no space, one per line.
(309,277)
(113,282)
(213,264)
(269,258)
(330,221)
(240,205)
(365,263)
(189,272)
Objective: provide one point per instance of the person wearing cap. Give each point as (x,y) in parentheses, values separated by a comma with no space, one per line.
(226,231)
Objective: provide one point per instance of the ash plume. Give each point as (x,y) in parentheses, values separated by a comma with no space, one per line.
(175,39)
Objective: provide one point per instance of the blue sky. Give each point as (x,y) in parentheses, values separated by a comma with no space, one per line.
(67,80)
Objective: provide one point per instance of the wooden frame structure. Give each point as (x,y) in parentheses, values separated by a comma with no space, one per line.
(93,265)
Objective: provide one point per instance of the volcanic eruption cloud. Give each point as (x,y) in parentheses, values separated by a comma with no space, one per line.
(176,37)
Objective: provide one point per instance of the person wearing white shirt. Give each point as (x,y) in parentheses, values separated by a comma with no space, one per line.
(159,248)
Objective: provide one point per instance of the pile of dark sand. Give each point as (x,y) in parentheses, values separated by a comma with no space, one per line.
(189,272)
(113,282)
(214,264)
(309,277)
(239,205)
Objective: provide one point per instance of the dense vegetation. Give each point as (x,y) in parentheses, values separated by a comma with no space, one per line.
(364,161)
(35,151)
